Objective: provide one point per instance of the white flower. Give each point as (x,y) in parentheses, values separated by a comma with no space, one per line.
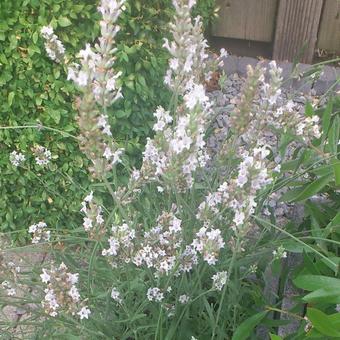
(116,156)
(72,278)
(86,53)
(43,155)
(135,175)
(84,313)
(163,118)
(87,224)
(89,197)
(195,96)
(115,295)
(239,218)
(108,153)
(11,292)
(74,294)
(223,53)
(280,253)
(183,299)
(16,158)
(174,63)
(155,294)
(111,84)
(39,232)
(219,280)
(176,225)
(46,31)
(53,45)
(82,78)
(45,277)
(191,3)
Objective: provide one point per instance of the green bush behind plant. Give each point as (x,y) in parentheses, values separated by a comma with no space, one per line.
(34,91)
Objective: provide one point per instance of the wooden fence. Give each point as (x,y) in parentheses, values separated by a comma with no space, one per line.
(294,27)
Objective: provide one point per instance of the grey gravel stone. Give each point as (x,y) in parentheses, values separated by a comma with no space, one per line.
(238,66)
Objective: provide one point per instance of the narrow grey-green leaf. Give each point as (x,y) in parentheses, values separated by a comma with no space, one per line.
(245,329)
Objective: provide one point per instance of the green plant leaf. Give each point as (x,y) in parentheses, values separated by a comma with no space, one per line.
(64,22)
(322,322)
(326,119)
(274,337)
(245,329)
(313,282)
(10,98)
(309,110)
(333,135)
(333,225)
(323,295)
(308,190)
(35,37)
(336,169)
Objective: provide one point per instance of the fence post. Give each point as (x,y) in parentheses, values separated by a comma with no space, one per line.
(296,29)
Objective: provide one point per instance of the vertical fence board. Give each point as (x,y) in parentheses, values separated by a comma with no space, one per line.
(329,31)
(297,29)
(246,19)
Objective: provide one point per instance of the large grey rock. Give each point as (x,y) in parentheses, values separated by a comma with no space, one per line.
(302,83)
(230,65)
(287,69)
(243,63)
(327,80)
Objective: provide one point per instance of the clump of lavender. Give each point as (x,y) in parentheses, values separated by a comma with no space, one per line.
(173,155)
(208,242)
(97,81)
(259,118)
(172,246)
(187,49)
(239,194)
(9,279)
(121,245)
(61,294)
(161,245)
(262,110)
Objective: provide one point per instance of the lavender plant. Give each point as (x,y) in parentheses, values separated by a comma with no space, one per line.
(170,258)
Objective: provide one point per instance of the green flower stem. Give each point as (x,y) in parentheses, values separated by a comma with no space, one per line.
(38,127)
(230,270)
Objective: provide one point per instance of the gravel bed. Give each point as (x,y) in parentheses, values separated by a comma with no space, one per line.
(324,79)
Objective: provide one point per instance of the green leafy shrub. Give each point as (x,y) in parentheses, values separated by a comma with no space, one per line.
(34,92)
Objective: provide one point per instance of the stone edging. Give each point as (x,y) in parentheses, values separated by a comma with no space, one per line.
(329,76)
